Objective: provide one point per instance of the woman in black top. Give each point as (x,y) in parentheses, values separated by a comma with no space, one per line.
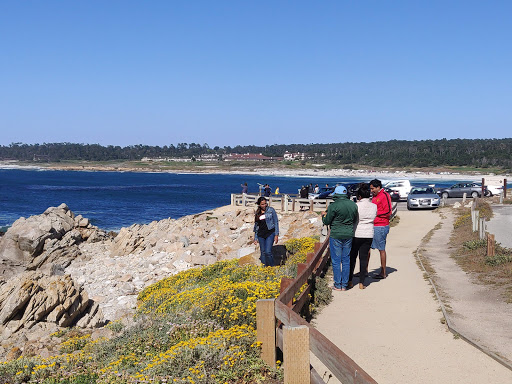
(266,230)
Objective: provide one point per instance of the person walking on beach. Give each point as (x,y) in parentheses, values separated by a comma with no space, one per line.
(381,223)
(340,216)
(266,230)
(363,234)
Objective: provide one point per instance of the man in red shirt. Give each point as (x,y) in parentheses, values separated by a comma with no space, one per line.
(381,223)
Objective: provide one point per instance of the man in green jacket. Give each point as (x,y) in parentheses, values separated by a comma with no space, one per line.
(340,216)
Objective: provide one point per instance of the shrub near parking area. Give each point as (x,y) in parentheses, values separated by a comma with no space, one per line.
(471,253)
(194,327)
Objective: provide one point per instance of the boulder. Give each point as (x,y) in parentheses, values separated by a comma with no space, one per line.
(31,242)
(33,297)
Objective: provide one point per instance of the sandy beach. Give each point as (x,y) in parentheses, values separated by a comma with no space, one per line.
(382,174)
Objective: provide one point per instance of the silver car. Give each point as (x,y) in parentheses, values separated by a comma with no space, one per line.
(458,190)
(423,197)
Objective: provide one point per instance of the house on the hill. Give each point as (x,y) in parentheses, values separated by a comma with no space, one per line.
(249,157)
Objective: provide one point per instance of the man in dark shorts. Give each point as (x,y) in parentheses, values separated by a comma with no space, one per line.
(381,223)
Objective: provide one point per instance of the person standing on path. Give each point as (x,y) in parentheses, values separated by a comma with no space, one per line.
(266,230)
(267,190)
(363,234)
(340,216)
(381,223)
(245,190)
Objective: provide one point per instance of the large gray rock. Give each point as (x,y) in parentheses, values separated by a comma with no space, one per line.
(33,297)
(52,238)
(27,238)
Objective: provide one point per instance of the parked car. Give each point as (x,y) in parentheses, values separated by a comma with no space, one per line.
(423,197)
(494,190)
(395,195)
(322,194)
(403,187)
(458,190)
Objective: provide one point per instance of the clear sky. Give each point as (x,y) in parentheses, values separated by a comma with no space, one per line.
(254,72)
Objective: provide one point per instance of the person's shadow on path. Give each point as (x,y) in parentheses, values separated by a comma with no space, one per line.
(370,279)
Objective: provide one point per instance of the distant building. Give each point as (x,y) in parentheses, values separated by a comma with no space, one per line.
(249,157)
(294,156)
(208,157)
(177,159)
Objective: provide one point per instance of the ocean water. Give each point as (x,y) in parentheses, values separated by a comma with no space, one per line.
(112,200)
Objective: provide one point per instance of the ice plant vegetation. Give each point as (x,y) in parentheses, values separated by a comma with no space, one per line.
(197,326)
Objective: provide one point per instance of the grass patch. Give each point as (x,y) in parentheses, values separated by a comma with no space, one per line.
(470,253)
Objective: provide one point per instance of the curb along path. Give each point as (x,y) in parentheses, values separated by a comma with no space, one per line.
(393,328)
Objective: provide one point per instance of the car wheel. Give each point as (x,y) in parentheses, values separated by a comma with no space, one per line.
(445,195)
(408,207)
(474,194)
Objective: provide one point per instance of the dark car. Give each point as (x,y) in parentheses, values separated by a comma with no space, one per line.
(458,190)
(323,193)
(395,195)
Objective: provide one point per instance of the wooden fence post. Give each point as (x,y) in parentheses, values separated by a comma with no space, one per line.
(483,187)
(266,330)
(490,245)
(296,355)
(311,203)
(482,229)
(285,283)
(293,204)
(464,196)
(505,188)
(476,217)
(301,267)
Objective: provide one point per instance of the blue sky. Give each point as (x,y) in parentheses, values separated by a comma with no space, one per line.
(253,72)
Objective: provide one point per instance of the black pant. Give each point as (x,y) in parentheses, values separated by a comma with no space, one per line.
(362,246)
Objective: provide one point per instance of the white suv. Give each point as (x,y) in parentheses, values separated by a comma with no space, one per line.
(403,187)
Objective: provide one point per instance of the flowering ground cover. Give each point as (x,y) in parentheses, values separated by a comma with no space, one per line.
(194,327)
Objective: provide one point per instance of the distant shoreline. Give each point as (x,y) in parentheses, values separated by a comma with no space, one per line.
(490,179)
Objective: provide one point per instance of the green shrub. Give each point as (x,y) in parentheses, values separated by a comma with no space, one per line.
(474,244)
(498,260)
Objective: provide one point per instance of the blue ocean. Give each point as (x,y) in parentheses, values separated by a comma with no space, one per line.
(112,200)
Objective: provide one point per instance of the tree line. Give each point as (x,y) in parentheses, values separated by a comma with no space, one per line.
(479,153)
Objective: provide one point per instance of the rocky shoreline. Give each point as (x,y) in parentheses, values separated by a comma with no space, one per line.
(57,270)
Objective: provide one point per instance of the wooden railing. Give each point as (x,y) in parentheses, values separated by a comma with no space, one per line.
(295,337)
(283,202)
(290,203)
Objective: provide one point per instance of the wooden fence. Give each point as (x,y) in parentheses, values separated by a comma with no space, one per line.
(279,325)
(288,203)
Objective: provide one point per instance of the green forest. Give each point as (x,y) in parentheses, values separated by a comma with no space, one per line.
(478,153)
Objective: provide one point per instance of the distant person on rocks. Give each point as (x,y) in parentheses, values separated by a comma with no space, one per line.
(340,216)
(245,188)
(267,190)
(381,223)
(310,188)
(363,234)
(266,230)
(277,191)
(317,188)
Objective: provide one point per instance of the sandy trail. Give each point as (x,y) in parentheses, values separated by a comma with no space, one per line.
(393,328)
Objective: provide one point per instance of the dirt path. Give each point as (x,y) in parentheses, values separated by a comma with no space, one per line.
(393,328)
(476,311)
